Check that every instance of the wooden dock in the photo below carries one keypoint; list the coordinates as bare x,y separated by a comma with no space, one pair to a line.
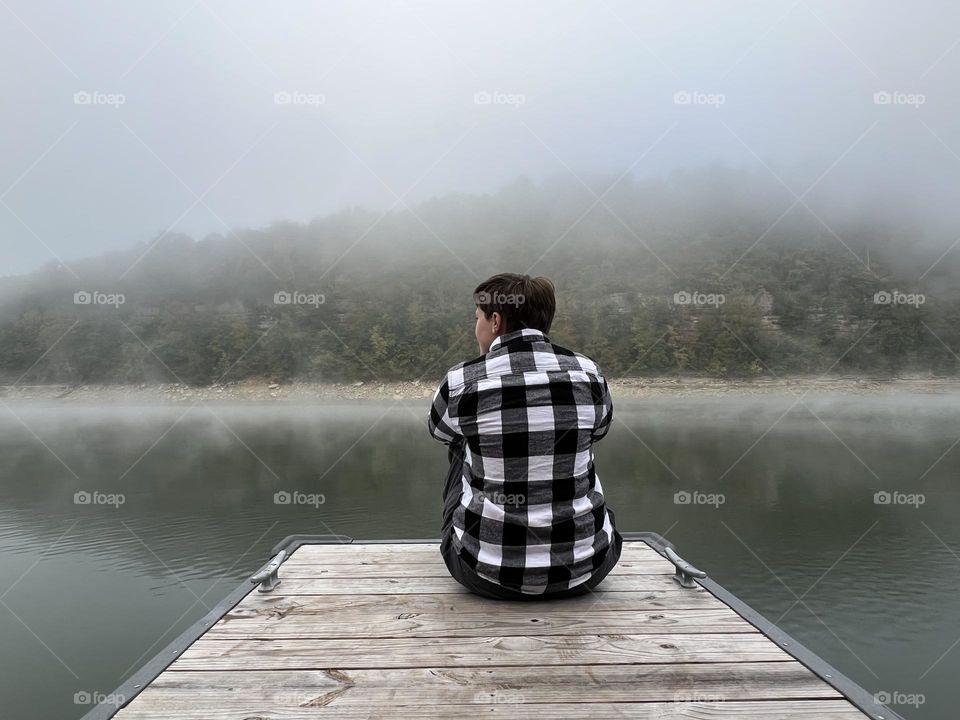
381,631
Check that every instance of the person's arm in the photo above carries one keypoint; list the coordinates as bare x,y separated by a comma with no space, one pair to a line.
603,402
441,425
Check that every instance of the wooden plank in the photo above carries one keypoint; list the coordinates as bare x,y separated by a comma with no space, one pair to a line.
360,604
515,619
588,649
444,585
318,569
749,710
251,693
419,552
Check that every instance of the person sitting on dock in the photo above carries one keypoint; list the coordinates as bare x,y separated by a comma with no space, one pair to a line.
524,515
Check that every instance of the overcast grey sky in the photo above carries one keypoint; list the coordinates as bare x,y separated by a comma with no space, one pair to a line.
181,121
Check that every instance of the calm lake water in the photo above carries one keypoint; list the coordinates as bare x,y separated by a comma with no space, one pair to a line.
91,591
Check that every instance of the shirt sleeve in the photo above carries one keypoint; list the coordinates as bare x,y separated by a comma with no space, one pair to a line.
441,425
604,409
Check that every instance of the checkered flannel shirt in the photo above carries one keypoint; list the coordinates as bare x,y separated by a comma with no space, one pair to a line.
532,515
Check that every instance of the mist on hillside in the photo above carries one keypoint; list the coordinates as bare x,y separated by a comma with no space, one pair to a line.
731,190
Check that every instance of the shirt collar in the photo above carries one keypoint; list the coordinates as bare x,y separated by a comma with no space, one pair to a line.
523,334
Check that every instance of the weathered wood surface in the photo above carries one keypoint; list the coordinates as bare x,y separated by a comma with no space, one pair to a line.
673,599
290,692
427,570
512,620
381,631
441,585
707,710
392,553
284,654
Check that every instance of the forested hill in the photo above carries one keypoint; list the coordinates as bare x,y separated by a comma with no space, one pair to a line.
694,274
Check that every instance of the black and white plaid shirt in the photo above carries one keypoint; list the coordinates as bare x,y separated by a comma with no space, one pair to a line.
532,515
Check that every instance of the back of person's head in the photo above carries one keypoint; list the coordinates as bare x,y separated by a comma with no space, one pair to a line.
522,301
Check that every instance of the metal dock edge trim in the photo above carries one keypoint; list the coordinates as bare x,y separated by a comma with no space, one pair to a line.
857,695
149,672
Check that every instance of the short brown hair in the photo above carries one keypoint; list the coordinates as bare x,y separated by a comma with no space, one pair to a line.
523,301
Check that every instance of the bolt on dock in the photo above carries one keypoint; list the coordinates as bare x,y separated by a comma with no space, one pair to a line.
343,629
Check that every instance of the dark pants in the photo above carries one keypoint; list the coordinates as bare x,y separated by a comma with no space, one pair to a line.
466,576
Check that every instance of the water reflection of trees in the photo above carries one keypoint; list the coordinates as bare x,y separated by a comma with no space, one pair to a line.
205,492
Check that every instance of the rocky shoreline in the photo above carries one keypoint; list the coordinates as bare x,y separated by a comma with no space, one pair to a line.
622,388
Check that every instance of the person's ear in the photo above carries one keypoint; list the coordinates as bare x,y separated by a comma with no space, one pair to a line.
497,323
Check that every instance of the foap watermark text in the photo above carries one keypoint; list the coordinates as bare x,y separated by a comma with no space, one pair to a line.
95,497
695,497
295,497
95,297
294,297
685,297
